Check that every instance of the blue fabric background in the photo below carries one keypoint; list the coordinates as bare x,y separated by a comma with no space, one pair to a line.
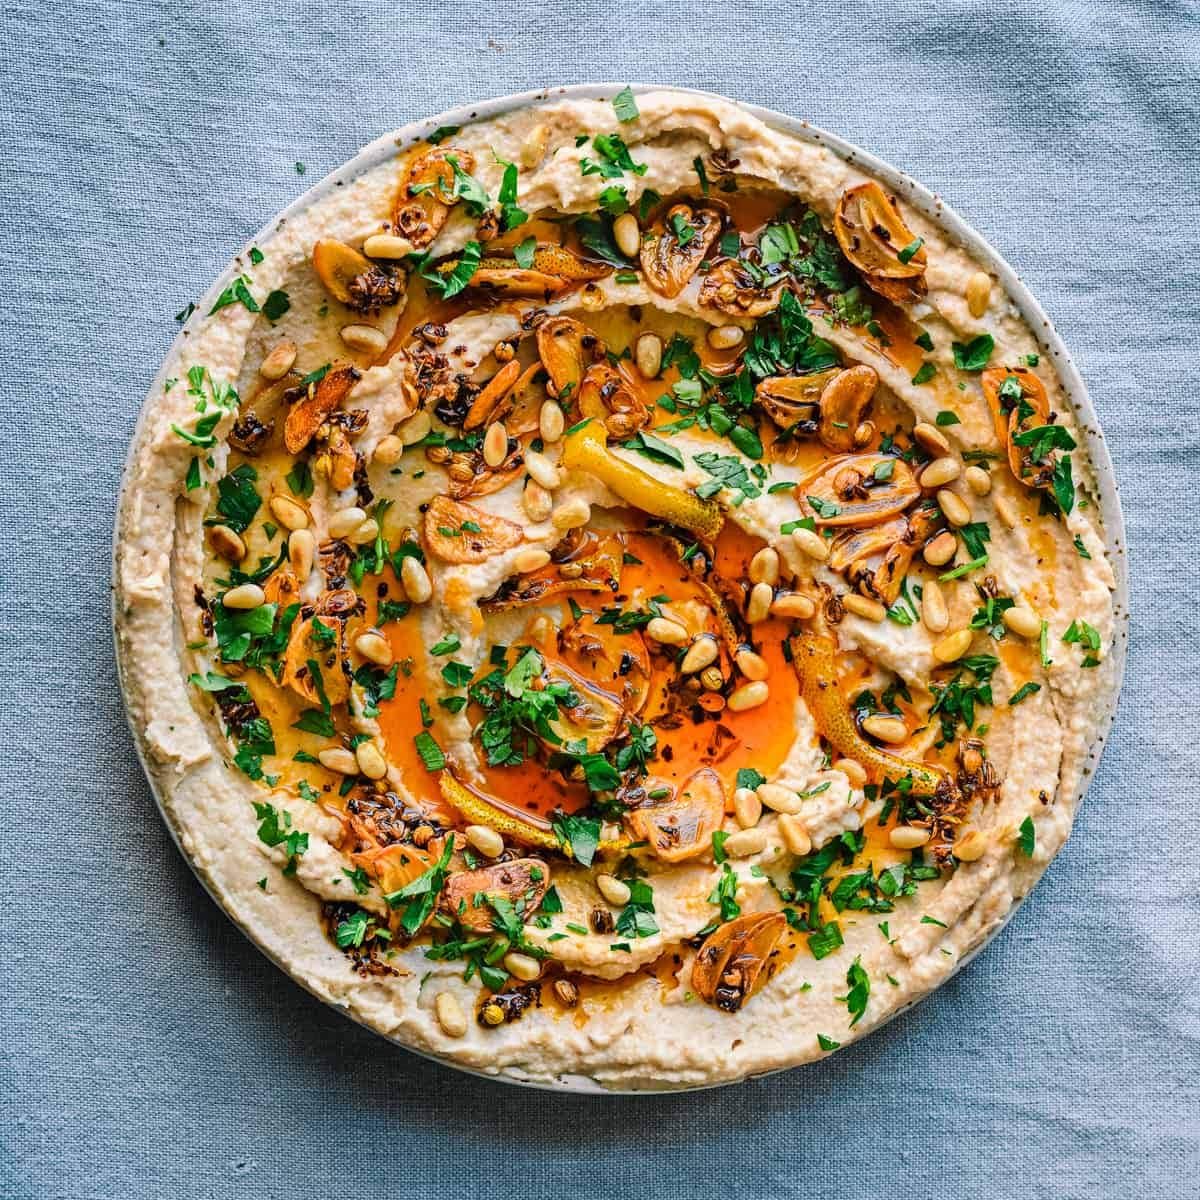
147,1049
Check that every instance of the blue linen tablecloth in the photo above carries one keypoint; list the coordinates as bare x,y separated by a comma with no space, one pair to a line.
148,1050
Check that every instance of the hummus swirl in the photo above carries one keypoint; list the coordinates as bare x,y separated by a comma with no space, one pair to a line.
614,592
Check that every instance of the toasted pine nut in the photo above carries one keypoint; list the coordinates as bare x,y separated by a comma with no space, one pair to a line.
339,759
745,842
615,891
931,439
370,761
953,646
542,470
344,522
700,654
812,543
752,665
853,771
522,966
417,585
416,428
279,362
647,354
795,836
863,606
749,695
953,507
388,450
941,549
979,291
793,606
227,542
495,444
374,647
725,337
571,514
1004,511
764,566
669,633
747,807
758,606
934,612
978,480
365,338
387,245
537,502
886,728
302,549
485,839
940,472
971,847
533,148
908,837
778,798
532,558
291,514
1022,620
245,595
627,235
450,1015
367,531
551,422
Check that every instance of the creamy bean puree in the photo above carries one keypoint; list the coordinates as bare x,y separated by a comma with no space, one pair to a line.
613,592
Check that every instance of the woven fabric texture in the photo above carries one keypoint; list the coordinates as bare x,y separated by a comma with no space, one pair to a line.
147,1049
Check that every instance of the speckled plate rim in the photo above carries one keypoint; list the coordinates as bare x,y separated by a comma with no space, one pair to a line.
914,193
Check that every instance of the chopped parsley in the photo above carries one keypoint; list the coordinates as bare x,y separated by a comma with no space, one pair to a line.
238,292
1027,837
625,106
614,158
275,829
729,472
655,449
860,990
955,703
419,896
237,498
579,836
637,917
725,893
973,355
1081,633
276,304
431,753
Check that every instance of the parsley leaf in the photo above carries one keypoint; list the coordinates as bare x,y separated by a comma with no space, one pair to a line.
860,990
974,355
655,449
579,836
237,498
1027,837
431,753
637,917
238,292
625,106
422,892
